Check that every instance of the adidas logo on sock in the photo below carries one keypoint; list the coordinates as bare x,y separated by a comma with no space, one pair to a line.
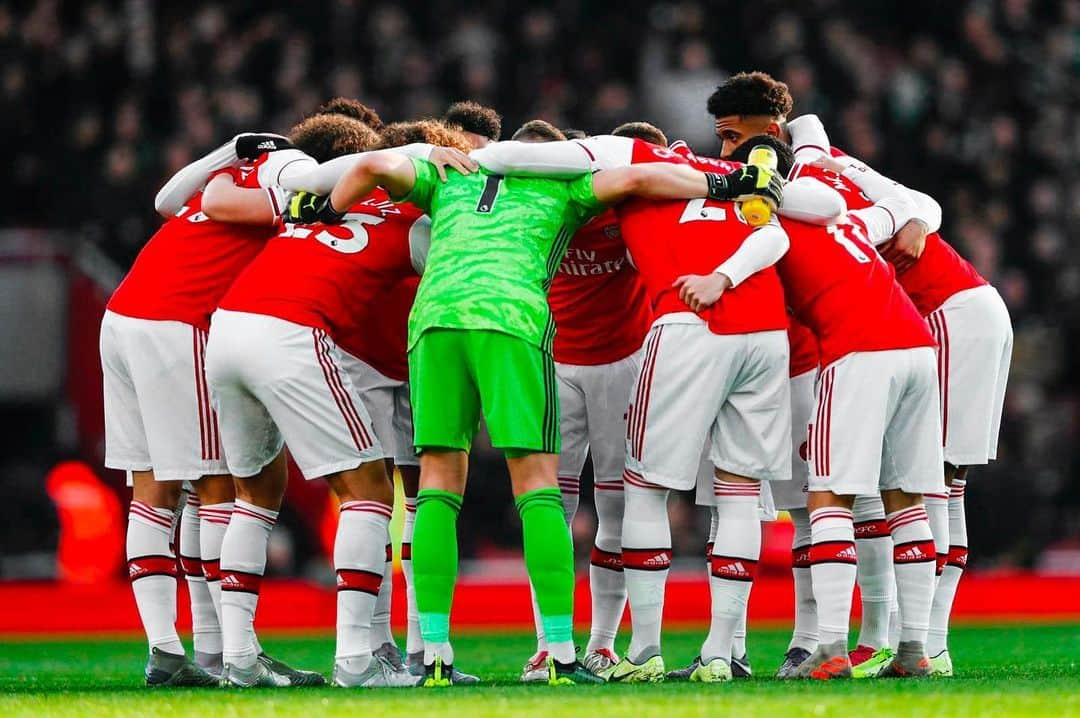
848,552
732,569
134,570
229,581
660,559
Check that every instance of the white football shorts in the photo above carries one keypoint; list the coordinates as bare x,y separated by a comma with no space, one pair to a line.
388,405
272,381
876,424
592,405
975,338
695,386
158,414
792,494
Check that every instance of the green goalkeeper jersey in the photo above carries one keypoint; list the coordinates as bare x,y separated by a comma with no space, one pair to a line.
496,243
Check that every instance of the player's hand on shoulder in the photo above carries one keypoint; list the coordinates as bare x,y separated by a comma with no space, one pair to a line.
701,291
250,145
906,246
309,208
829,163
443,157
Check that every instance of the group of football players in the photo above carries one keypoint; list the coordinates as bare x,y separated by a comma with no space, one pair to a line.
600,296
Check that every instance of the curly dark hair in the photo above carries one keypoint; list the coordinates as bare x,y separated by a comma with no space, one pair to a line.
785,157
475,118
539,130
574,134
432,132
642,131
329,135
351,108
751,93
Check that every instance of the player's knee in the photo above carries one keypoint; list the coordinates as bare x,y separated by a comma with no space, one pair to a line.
159,494
217,489
367,482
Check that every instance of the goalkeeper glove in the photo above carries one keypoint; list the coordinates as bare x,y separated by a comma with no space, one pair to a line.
250,146
746,182
309,208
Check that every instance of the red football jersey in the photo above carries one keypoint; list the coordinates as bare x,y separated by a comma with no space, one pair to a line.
186,267
599,304
669,239
383,331
804,347
845,293
940,271
332,276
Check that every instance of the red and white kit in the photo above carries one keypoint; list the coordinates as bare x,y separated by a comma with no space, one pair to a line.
967,316
158,413
602,315
274,367
803,371
717,375
875,423
375,358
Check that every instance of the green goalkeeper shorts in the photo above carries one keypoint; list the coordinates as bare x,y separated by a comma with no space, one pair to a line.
458,375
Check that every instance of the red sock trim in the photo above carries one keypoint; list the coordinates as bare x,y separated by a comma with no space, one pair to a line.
240,581
733,568
212,569
355,580
146,566
800,557
958,557
191,566
647,559
914,552
833,552
606,559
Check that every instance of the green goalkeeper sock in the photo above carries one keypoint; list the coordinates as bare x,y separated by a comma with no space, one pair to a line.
435,561
549,559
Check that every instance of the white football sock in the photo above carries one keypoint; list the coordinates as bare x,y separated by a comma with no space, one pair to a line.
213,520
380,619
832,570
937,641
735,553
413,640
152,571
646,549
360,561
914,560
937,511
805,633
570,488
243,561
205,629
877,581
738,639
607,582
541,639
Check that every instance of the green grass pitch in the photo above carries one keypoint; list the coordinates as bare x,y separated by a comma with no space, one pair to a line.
1009,671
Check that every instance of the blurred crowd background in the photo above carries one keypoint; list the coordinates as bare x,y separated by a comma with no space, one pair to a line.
975,102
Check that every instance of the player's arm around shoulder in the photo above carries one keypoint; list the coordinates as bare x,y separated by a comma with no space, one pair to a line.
396,173
651,180
224,201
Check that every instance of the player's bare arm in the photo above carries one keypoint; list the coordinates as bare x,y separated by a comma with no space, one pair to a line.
665,181
322,179
223,201
762,248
